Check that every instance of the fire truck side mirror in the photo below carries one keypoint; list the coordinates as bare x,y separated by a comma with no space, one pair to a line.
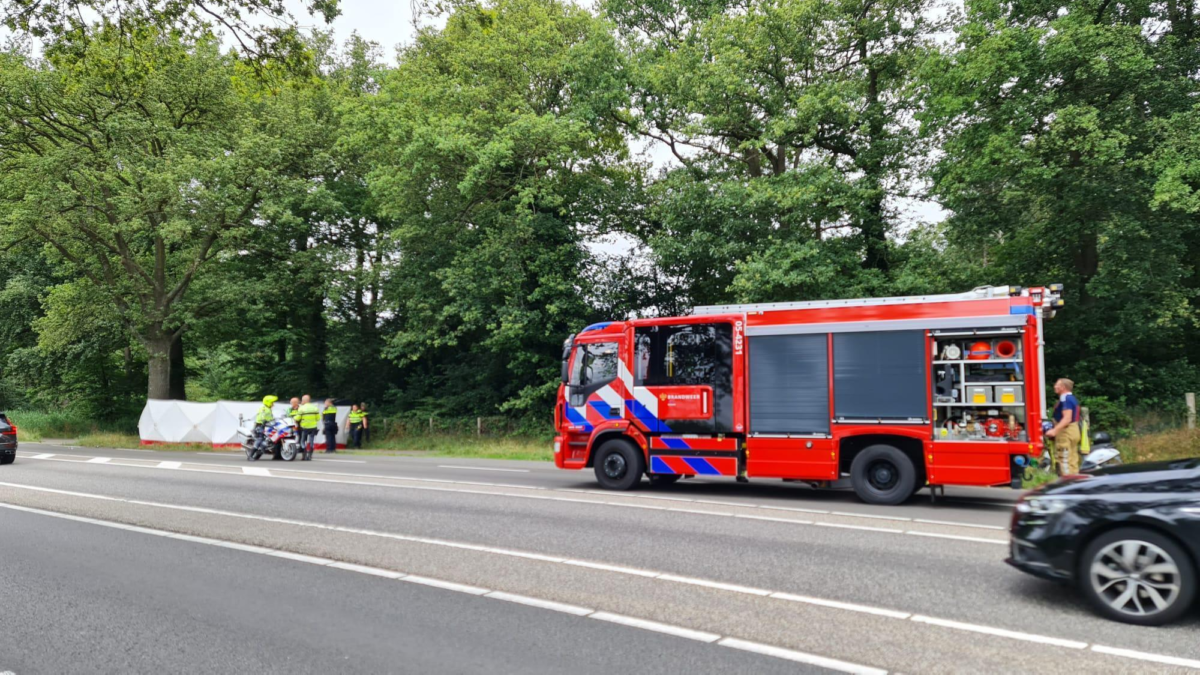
566,358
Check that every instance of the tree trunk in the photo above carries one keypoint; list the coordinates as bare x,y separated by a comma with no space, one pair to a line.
1087,265
178,371
158,347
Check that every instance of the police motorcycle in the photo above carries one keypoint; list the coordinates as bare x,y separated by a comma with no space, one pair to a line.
1104,454
279,436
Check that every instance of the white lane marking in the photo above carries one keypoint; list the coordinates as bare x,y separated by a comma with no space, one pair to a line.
796,509
341,461
541,604
363,569
860,527
866,515
632,571
848,606
99,460
800,657
956,537
956,524
877,611
703,513
255,471
717,503
305,475
447,585
170,465
1145,656
774,520
44,455
645,624
481,468
1000,632
721,586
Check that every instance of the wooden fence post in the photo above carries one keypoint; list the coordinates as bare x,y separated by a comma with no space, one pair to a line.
431,425
479,426
1191,405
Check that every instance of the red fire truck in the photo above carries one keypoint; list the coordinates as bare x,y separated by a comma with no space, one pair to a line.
892,394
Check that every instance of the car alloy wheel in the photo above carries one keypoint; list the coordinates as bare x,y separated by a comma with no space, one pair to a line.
1135,578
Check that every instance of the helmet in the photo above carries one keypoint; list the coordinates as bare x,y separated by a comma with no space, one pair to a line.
270,400
980,351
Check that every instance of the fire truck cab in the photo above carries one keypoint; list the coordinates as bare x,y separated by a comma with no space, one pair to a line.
892,394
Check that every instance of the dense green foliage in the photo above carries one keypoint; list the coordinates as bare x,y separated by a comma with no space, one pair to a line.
423,234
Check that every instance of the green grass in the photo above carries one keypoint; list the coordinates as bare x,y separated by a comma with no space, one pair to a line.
36,425
110,439
1164,445
503,447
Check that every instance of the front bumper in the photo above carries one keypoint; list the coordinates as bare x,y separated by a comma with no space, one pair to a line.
1030,559
1044,546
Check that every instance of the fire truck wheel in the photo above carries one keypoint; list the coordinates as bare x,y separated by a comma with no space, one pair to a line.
882,474
619,466
663,479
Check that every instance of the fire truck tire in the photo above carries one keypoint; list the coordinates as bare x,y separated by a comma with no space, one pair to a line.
882,474
664,479
619,465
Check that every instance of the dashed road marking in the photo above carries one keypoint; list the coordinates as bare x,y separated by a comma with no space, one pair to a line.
481,468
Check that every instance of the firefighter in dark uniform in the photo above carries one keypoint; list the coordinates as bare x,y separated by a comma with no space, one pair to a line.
366,423
329,423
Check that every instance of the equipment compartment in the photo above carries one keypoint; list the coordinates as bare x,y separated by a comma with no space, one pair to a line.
978,385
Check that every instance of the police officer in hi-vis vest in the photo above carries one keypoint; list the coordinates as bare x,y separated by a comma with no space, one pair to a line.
309,418
356,424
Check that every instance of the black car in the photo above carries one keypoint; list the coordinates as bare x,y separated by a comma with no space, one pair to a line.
1128,537
8,440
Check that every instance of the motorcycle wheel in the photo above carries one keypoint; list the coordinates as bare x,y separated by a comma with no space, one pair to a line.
288,452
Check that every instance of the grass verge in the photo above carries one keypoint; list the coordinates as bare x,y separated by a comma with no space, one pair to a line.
119,440
1164,445
504,447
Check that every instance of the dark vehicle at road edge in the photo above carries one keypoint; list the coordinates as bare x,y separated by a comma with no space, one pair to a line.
8,440
1127,536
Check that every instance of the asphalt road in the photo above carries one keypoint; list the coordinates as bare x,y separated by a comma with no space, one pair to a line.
835,584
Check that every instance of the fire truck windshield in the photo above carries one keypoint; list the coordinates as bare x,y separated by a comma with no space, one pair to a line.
594,363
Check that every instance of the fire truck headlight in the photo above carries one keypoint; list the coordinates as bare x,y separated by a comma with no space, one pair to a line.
557,447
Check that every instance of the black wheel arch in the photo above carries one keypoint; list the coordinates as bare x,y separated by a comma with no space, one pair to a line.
607,436
1138,523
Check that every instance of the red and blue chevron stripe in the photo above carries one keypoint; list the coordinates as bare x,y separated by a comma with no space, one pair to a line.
693,443
693,466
